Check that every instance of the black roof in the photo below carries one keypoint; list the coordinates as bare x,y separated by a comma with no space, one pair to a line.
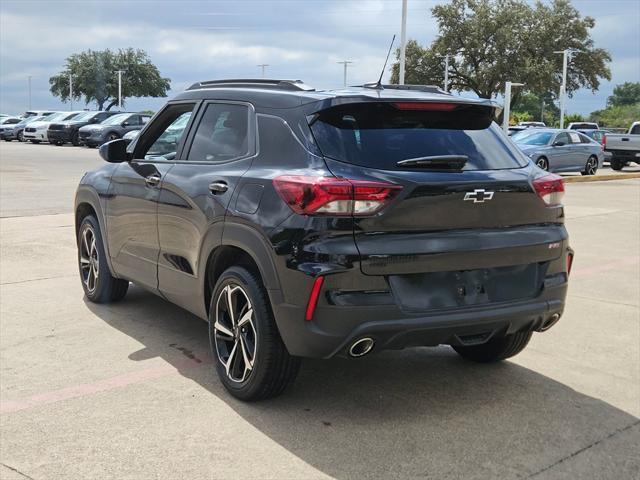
276,93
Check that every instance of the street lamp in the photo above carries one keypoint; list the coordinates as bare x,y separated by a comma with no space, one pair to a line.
507,103
446,67
29,82
403,42
119,72
563,88
345,63
263,66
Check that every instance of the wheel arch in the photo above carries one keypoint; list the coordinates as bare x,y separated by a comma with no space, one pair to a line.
241,245
87,202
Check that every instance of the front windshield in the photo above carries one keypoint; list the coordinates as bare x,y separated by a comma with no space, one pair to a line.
539,138
116,119
31,119
54,117
84,116
70,116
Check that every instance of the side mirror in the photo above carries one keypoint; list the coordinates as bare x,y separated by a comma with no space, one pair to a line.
114,151
95,120
558,144
125,124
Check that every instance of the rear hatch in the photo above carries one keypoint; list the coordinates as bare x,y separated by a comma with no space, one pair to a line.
467,202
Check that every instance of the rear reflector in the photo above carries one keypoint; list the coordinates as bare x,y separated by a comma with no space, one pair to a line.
569,262
426,106
310,195
550,188
313,298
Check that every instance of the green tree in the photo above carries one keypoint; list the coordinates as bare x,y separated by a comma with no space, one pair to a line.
539,106
617,116
94,77
493,41
626,93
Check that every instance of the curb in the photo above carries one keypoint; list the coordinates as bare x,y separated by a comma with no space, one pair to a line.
601,178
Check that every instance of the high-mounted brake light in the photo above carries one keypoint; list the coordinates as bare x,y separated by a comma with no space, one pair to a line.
550,188
310,195
426,106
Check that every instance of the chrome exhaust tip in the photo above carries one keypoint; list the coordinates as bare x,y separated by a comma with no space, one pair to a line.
550,322
361,347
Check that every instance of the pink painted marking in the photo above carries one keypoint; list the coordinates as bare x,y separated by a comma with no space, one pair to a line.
105,385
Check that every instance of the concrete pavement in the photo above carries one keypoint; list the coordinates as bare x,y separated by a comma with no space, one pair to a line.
128,391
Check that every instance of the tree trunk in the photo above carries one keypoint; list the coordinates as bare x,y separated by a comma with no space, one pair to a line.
100,103
112,104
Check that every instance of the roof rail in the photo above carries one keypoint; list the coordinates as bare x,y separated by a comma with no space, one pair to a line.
296,85
417,88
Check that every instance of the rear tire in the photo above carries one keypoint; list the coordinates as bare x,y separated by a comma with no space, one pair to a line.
591,167
75,140
496,349
99,285
543,163
617,164
251,359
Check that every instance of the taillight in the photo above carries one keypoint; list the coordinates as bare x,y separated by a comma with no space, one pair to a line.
310,195
604,142
426,106
569,262
550,188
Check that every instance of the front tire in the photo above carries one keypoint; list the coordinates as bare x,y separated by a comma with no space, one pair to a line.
496,349
252,362
99,285
591,166
20,137
543,163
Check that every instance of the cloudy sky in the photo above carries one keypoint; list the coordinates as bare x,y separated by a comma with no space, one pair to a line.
197,40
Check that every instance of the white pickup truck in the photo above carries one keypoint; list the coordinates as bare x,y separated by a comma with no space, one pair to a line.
624,148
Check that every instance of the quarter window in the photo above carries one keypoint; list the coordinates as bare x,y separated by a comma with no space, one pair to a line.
222,134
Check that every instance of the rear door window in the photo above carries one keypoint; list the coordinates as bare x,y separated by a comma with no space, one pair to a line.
222,134
575,138
380,134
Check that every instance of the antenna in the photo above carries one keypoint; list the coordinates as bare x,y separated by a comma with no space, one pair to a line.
379,84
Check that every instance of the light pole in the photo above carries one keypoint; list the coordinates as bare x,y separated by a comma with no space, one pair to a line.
120,72
507,104
71,91
403,42
263,66
563,88
345,63
446,72
29,82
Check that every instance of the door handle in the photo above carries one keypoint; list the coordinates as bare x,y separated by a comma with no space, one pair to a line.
218,187
152,180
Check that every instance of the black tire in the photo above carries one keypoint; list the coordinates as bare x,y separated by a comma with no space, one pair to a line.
543,163
20,137
272,369
105,288
617,164
75,140
591,167
496,349
112,136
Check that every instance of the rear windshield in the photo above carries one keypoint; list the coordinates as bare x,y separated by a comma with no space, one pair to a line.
378,135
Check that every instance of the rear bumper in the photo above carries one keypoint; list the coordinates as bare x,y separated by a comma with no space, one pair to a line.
335,328
628,155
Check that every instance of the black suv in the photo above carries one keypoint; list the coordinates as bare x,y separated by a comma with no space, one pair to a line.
67,132
305,223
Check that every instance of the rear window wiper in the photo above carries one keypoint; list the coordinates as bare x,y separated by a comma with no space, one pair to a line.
442,162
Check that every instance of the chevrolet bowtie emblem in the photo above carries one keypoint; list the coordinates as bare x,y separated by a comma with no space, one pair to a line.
479,195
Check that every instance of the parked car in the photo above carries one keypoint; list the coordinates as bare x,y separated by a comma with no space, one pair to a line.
305,223
36,132
558,150
60,133
532,124
583,126
624,148
8,123
515,129
15,132
38,113
112,128
598,136
130,136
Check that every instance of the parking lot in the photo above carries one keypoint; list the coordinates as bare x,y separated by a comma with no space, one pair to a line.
128,390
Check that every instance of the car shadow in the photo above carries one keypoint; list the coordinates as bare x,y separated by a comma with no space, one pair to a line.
417,413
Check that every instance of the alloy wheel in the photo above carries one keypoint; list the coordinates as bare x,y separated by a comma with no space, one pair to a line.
235,333
542,163
592,166
89,261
